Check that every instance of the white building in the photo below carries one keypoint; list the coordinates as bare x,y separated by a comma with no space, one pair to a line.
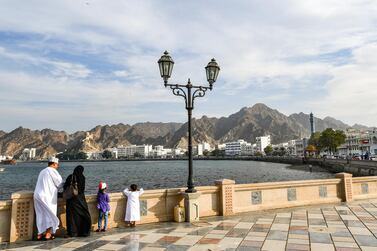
262,142
300,145
134,150
220,147
291,149
201,148
3,157
239,147
114,152
94,155
358,143
28,154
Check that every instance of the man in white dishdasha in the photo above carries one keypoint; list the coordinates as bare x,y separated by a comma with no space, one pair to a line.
46,198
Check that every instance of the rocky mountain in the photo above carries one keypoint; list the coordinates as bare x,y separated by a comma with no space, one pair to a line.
247,124
362,127
49,142
319,124
46,141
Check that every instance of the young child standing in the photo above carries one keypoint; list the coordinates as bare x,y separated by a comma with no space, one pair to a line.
133,204
103,206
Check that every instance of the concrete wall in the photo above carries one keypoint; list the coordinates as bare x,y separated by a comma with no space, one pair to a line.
224,198
5,216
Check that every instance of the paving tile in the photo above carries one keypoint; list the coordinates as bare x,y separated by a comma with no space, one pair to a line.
202,231
298,241
151,238
277,235
298,236
255,238
245,248
111,247
283,215
208,241
74,244
188,240
224,232
251,243
292,228
346,244
349,217
274,245
292,246
320,238
92,245
169,239
359,231
353,223
321,247
149,249
342,239
280,227
347,249
214,236
366,240
237,233
177,248
244,225
229,242
365,248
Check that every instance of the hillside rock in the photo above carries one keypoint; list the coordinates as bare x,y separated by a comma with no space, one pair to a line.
248,123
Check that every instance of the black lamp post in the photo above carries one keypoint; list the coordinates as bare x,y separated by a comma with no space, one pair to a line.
165,64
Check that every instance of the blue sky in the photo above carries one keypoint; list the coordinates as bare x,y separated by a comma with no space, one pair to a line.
71,65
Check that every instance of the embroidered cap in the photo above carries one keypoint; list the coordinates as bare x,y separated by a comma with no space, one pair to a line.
53,159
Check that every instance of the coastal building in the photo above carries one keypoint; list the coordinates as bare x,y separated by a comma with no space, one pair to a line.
300,145
291,149
220,147
5,157
94,155
28,154
114,152
262,142
134,151
201,148
237,148
358,143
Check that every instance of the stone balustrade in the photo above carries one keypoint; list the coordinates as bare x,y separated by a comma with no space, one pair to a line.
224,198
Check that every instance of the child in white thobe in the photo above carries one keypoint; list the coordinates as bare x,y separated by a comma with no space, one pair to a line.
133,204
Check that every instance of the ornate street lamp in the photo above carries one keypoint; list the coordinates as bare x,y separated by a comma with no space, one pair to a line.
166,64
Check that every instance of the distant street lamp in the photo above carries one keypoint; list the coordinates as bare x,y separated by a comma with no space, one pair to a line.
165,64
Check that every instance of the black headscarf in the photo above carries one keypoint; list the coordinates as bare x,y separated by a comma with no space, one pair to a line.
79,178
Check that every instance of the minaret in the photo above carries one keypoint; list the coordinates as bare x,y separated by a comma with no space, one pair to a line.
311,123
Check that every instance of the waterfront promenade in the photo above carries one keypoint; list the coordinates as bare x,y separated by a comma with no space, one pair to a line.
341,227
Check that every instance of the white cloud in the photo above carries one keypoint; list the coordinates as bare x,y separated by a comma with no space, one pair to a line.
352,91
272,45
122,74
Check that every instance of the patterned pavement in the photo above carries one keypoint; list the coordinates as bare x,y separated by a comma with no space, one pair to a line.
346,227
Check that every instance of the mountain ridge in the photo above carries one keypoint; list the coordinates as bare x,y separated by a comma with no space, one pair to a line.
247,123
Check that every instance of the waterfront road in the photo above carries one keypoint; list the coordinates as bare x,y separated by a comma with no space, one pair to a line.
341,227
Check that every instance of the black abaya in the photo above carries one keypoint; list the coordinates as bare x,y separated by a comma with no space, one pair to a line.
78,218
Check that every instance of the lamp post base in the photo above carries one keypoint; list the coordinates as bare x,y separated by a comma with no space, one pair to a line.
192,206
190,190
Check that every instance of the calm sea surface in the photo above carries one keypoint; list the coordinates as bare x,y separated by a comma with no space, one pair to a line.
156,174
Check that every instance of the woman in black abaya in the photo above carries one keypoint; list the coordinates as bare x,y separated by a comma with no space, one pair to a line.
78,218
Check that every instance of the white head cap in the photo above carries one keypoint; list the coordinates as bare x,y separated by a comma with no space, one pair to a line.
53,159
